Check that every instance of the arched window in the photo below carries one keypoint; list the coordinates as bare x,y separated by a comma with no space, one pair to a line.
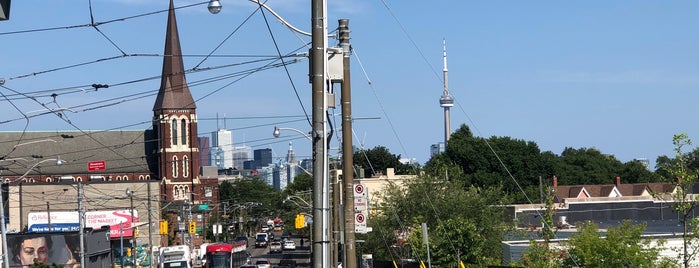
49,180
185,167
126,178
174,132
174,166
184,132
140,178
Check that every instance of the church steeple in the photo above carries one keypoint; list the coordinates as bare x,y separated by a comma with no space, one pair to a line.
175,123
174,92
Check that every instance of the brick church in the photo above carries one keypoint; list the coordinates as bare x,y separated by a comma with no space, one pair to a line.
154,171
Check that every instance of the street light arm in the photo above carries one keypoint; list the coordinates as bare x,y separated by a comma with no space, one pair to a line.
280,18
215,7
277,129
58,163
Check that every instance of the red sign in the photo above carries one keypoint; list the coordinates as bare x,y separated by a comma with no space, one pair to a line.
96,165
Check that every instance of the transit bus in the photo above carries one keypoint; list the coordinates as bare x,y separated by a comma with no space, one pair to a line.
223,255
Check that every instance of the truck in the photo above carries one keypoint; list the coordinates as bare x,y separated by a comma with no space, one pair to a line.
261,240
175,257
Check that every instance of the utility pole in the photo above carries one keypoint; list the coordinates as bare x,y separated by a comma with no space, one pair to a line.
48,214
5,253
349,252
318,55
81,224
150,226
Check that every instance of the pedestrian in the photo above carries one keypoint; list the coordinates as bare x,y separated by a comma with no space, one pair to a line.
302,242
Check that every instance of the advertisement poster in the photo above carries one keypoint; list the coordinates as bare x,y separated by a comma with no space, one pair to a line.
67,221
62,249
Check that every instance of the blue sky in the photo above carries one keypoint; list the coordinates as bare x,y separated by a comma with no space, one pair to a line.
619,76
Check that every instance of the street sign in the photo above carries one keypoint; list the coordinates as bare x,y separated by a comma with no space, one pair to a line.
359,190
359,222
360,204
203,207
96,165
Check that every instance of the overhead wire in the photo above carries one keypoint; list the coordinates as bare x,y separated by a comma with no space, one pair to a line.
501,162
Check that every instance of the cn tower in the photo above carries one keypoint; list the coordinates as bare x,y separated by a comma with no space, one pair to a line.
446,101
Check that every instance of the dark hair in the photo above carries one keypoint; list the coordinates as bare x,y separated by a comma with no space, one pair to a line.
17,241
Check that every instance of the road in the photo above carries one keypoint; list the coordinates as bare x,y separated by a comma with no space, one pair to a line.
301,255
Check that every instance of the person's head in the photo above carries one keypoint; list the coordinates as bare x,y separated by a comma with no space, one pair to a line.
29,248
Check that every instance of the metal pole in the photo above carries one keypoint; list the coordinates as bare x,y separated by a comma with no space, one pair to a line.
318,54
5,253
133,232
426,240
48,215
81,219
350,254
121,238
150,227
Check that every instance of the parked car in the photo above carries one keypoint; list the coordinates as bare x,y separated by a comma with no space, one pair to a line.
289,245
263,263
248,265
275,247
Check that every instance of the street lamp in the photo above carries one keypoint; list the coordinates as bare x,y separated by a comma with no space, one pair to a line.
276,133
214,6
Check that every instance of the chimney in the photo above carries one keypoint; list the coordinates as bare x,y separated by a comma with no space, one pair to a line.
555,182
618,181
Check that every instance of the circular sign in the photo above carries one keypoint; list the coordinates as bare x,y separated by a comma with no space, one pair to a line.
359,189
359,218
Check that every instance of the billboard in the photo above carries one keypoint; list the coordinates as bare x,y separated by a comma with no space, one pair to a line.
44,248
67,221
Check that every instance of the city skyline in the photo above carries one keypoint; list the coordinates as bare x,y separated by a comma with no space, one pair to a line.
600,75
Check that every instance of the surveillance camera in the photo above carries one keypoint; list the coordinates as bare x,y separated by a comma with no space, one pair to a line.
2,81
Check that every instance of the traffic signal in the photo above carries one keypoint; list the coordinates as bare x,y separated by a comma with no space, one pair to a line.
192,227
300,221
128,252
164,227
135,233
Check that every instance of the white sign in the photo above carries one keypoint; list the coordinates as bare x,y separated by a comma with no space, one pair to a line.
63,221
359,222
360,204
359,190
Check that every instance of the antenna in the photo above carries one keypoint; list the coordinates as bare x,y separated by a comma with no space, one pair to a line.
446,101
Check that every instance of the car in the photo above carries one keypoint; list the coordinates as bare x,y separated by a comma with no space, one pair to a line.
242,239
248,265
275,247
287,263
263,263
289,245
285,237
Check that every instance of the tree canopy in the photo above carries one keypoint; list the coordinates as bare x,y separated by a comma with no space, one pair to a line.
521,168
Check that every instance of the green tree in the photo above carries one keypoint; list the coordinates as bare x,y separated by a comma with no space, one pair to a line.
377,159
623,246
683,177
465,223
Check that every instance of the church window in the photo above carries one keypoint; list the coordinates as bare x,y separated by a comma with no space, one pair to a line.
174,132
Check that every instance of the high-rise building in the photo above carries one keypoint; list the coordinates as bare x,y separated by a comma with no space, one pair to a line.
240,155
222,149
263,157
290,155
437,148
204,151
446,101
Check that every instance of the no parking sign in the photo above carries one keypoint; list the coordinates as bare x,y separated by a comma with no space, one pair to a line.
359,190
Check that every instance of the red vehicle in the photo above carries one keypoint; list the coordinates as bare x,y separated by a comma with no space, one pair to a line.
222,255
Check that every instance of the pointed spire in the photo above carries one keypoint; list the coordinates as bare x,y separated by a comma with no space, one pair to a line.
174,92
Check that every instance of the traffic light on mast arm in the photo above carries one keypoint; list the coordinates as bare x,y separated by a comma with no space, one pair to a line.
192,227
164,226
300,221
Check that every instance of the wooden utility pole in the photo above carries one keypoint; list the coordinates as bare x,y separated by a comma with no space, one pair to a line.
349,251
